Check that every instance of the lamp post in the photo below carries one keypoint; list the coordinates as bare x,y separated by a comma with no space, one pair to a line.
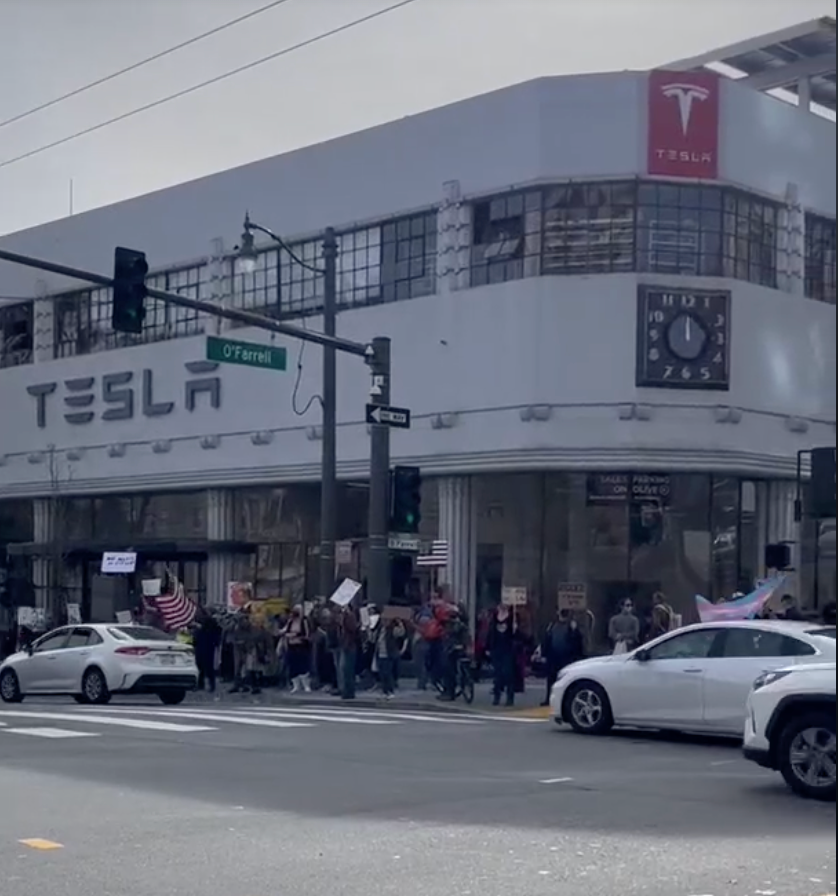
248,256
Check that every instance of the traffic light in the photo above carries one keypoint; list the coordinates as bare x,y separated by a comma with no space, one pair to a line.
406,513
129,291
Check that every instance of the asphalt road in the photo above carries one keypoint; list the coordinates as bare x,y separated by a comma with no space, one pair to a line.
205,801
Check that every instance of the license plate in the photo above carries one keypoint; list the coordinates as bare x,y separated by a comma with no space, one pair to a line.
168,660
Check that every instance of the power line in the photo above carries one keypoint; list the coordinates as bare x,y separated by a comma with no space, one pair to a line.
210,82
141,64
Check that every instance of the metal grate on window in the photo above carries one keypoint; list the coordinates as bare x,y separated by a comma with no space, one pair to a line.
17,334
749,245
589,228
820,259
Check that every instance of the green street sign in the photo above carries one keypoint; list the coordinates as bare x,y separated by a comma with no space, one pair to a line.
246,354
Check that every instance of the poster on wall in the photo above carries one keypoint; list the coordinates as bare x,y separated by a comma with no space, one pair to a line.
119,563
239,595
73,614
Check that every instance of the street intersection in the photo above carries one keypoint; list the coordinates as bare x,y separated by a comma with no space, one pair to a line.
218,800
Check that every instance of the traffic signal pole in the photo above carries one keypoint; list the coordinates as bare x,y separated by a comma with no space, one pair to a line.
377,356
378,583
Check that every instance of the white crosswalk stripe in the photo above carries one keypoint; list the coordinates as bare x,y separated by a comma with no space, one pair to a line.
58,723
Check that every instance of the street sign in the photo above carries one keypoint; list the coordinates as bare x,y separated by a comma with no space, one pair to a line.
246,354
407,544
397,418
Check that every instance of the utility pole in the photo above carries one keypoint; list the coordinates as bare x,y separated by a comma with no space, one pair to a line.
378,584
329,474
377,356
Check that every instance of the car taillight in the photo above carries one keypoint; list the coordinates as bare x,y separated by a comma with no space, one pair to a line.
133,651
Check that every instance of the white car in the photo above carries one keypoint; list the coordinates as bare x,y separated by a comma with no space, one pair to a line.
790,727
696,679
91,663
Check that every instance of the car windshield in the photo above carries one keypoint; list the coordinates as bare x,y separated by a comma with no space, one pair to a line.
138,633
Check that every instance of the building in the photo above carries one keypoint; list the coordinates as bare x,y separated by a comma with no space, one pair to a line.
612,305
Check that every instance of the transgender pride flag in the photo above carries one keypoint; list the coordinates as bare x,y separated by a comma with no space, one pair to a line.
747,607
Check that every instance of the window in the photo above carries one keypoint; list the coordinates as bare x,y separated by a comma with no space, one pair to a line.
83,637
742,643
749,239
138,633
696,645
820,259
408,258
589,229
53,641
679,230
164,321
258,290
507,238
16,334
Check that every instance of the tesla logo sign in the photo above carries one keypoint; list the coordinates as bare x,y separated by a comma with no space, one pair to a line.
684,124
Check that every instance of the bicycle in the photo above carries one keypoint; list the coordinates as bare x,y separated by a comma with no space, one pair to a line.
464,682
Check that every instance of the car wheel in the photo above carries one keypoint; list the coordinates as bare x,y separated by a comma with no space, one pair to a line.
94,688
10,687
588,709
172,698
807,756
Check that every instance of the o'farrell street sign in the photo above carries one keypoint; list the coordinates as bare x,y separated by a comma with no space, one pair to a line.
246,354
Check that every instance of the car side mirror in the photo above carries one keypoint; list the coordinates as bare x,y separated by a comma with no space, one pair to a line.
30,650
643,656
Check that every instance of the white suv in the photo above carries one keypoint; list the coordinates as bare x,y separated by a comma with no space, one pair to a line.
790,727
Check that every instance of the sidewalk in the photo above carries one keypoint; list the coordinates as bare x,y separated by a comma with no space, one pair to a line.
407,699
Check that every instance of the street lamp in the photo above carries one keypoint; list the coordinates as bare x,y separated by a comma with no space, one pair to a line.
248,257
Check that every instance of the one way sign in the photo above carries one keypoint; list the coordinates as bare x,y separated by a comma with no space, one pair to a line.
397,418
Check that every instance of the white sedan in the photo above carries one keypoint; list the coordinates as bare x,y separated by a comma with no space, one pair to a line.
696,679
91,663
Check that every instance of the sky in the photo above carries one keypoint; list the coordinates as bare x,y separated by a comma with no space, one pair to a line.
427,54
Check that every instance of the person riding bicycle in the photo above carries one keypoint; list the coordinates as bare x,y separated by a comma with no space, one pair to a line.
456,639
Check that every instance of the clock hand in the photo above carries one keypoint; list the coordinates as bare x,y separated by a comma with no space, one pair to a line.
689,329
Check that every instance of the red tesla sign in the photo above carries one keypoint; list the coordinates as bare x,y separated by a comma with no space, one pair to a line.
684,124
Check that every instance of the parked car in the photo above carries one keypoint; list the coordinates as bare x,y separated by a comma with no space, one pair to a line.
790,728
91,663
696,679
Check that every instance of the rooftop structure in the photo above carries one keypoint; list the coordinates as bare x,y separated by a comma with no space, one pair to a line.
796,63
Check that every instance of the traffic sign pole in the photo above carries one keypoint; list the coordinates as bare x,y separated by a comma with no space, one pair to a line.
378,591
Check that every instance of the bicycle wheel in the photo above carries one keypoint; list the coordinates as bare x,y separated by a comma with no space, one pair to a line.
467,686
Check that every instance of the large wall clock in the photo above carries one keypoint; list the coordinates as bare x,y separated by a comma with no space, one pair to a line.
683,338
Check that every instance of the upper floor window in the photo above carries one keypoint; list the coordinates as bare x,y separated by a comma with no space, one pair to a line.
589,228
605,228
17,334
83,319
258,290
507,238
820,259
679,230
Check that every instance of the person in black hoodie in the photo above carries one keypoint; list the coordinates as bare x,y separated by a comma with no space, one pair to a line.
501,644
206,643
563,644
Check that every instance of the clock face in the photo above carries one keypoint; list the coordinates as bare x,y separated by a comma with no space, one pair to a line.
683,339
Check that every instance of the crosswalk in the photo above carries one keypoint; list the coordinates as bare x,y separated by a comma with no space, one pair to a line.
59,722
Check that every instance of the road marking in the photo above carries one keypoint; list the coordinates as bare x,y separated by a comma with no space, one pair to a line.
43,845
557,781
204,717
140,724
51,733
336,714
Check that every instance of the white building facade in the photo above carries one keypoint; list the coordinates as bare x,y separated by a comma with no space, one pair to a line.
611,300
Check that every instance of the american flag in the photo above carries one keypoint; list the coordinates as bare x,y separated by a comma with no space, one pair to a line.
436,558
176,609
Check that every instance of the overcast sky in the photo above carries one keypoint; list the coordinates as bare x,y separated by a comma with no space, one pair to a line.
428,54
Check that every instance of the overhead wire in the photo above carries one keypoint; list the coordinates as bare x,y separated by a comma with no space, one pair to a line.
78,91
286,51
